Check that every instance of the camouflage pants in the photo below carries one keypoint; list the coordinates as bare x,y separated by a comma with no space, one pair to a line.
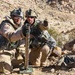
5,62
38,56
67,60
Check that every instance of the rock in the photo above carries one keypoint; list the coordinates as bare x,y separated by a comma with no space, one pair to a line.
9,1
52,70
73,47
70,45
72,69
58,74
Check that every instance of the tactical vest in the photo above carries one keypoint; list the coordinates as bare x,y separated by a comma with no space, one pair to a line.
4,43
35,29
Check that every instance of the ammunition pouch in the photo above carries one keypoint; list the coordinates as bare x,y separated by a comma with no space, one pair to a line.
6,45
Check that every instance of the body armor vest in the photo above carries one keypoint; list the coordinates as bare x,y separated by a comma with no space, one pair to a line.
4,43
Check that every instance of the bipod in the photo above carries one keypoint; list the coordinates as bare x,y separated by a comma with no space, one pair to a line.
27,70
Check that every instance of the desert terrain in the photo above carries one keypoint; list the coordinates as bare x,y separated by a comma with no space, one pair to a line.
60,15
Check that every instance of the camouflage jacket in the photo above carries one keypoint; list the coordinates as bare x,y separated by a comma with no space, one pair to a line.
40,37
11,32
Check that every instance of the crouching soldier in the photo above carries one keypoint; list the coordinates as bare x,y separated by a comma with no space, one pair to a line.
41,43
11,33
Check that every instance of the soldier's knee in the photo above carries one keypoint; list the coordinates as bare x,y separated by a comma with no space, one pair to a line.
45,49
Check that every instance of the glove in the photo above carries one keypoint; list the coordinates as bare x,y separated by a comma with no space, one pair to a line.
26,29
45,23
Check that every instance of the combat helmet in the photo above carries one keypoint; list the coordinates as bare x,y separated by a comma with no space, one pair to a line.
17,12
30,13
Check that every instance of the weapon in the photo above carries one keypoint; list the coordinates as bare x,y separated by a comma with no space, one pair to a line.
26,68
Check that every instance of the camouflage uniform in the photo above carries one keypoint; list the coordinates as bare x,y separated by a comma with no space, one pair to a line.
8,31
40,52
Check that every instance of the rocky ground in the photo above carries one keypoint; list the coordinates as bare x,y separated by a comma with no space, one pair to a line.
60,15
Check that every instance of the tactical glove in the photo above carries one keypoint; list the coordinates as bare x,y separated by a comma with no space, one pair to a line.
26,29
45,23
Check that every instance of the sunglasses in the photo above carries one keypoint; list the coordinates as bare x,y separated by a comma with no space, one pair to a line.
31,17
17,16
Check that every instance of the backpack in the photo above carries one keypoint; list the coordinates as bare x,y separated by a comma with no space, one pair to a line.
4,43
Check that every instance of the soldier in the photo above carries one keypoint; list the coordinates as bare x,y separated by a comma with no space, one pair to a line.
11,31
42,43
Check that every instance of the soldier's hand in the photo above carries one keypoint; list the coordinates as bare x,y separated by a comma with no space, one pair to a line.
25,30
45,23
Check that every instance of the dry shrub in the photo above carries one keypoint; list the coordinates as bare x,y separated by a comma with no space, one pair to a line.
60,38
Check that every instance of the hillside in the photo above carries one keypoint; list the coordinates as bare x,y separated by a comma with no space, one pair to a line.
60,15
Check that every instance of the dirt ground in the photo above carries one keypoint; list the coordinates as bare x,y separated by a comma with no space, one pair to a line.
49,71
62,20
